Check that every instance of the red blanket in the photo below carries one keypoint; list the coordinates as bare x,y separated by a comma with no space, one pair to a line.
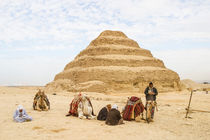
74,105
133,106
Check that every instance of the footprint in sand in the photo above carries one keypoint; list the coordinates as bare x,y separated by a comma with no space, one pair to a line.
58,130
37,127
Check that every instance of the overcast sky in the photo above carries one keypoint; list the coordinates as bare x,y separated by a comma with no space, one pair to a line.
39,37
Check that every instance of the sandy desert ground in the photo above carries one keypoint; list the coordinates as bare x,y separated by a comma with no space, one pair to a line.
169,123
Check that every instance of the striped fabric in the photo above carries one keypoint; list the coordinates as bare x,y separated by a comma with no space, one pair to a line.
133,108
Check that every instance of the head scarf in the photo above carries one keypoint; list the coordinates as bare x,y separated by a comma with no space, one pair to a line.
18,113
109,107
21,116
20,107
114,106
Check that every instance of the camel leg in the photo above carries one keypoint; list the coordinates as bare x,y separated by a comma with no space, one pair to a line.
46,108
80,113
37,107
34,105
142,116
90,116
82,117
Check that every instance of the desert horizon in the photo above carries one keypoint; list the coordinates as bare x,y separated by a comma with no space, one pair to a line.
20,85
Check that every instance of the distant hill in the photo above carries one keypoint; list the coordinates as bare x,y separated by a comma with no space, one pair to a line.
190,84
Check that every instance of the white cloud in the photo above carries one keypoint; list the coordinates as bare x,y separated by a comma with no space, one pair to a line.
41,48
65,20
65,24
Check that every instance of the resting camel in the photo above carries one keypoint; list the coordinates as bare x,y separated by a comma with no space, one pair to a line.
85,109
41,102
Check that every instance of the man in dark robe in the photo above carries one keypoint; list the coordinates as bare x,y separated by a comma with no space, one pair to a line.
104,112
114,117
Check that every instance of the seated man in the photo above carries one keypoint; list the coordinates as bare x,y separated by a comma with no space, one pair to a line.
20,115
103,113
114,117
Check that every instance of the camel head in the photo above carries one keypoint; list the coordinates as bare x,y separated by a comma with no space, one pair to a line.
39,92
84,98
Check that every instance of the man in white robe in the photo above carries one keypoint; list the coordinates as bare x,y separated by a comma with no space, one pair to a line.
20,115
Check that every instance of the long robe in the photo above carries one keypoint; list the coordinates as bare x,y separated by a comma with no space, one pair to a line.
21,116
113,117
102,115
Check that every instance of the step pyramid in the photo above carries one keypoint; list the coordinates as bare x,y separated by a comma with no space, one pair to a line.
114,63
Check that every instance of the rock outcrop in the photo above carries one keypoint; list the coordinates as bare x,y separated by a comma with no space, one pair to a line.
113,63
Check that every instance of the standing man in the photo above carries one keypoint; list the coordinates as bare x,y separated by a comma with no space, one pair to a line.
151,93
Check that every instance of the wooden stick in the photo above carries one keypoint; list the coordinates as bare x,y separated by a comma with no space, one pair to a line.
198,110
189,104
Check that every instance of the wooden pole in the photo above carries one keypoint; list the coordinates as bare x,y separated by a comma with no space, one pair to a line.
198,110
189,104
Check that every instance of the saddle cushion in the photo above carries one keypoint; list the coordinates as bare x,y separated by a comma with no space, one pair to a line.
75,103
133,108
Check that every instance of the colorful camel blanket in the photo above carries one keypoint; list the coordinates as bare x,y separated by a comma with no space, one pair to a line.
36,98
75,103
133,108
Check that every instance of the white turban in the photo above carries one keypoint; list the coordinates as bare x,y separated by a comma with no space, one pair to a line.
114,106
20,107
